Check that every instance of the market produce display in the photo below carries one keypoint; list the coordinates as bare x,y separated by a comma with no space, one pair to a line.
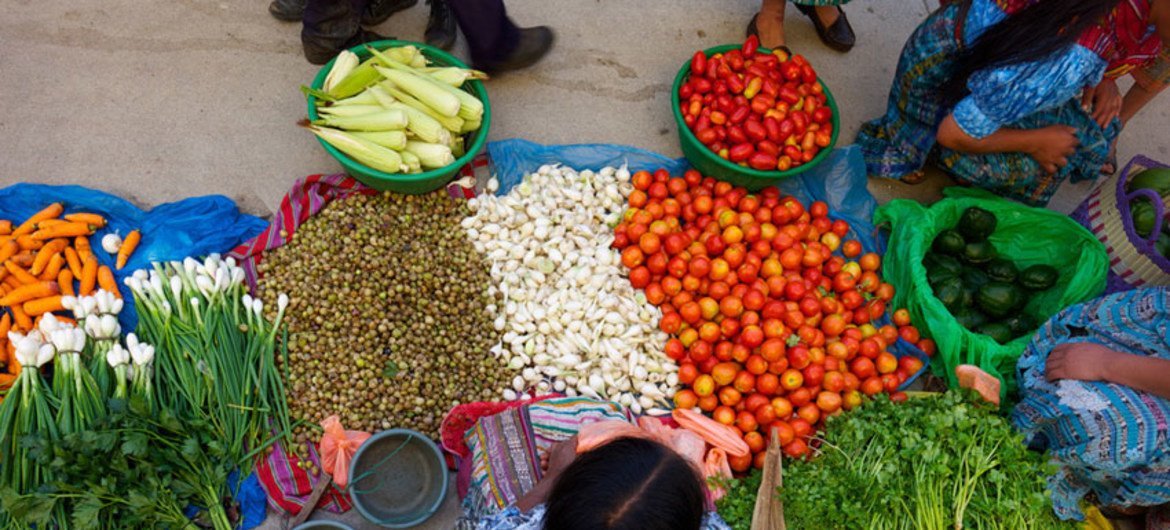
739,504
986,293
571,323
1143,209
129,436
766,111
388,318
395,112
772,327
932,463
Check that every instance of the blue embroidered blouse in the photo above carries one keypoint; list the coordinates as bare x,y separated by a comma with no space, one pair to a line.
1000,96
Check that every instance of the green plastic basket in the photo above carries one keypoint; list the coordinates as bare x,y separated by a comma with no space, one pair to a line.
414,183
711,164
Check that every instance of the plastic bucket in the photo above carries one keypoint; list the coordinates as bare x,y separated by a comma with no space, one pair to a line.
413,183
398,478
711,164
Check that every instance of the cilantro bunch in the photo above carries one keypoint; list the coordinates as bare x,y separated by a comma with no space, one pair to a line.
928,464
738,505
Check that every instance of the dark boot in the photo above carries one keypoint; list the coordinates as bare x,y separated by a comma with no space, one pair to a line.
532,46
377,11
441,25
332,26
287,10
839,36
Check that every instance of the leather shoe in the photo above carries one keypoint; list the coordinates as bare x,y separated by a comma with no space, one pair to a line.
287,10
441,25
377,11
533,45
839,36
317,53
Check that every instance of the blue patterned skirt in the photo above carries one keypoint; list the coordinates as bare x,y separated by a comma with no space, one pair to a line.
1108,440
901,141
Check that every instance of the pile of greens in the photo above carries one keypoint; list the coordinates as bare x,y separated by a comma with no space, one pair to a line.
737,506
932,463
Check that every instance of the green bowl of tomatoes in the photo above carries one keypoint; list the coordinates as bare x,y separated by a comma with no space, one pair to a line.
739,143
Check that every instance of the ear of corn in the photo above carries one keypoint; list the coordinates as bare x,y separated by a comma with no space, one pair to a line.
382,120
360,149
411,161
345,63
454,76
364,98
431,156
357,80
350,110
430,93
453,124
395,140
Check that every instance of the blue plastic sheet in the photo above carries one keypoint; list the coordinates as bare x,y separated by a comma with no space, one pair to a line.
191,227
251,497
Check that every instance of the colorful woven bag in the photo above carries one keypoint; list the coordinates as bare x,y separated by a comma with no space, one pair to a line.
1133,260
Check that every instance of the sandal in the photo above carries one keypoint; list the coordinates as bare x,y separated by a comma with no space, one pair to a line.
839,36
753,30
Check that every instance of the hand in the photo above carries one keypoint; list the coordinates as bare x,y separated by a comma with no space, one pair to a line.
1053,145
1081,361
559,457
1103,102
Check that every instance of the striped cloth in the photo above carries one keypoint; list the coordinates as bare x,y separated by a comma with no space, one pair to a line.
1108,440
506,448
288,486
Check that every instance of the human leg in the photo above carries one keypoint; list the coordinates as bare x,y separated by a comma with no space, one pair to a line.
496,43
331,26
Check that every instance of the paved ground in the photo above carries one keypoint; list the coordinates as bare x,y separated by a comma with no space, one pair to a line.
157,100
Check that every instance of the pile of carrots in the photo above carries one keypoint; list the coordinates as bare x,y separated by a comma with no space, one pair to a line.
46,257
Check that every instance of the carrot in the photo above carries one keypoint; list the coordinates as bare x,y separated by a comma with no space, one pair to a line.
106,281
5,227
20,274
23,322
6,381
51,211
53,269
49,222
128,246
65,283
64,230
717,434
73,260
87,218
81,243
89,272
44,305
11,282
5,325
24,259
27,242
9,249
30,292
13,364
46,253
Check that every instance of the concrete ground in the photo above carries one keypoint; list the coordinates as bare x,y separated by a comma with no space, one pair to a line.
161,100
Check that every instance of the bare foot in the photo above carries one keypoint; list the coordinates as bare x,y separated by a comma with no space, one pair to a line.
828,15
771,30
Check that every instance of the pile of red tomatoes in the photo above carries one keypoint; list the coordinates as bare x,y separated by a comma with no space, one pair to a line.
773,313
766,111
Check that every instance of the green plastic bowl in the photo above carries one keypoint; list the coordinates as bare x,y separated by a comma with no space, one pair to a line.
398,478
413,183
323,525
711,164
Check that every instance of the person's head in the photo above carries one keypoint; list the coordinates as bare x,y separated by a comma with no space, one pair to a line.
627,484
1031,34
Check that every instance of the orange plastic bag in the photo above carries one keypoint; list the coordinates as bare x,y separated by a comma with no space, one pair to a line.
337,449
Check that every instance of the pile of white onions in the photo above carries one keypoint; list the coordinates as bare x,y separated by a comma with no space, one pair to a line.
571,320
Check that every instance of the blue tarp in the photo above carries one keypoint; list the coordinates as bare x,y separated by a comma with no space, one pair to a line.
172,231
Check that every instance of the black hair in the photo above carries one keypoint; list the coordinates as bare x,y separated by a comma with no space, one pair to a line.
1033,33
627,484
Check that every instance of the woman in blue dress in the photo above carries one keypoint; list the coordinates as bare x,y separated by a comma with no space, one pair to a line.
1095,392
990,90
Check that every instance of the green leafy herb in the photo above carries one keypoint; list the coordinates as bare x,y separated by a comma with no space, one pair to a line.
738,505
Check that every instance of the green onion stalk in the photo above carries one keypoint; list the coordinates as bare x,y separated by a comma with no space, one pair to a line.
98,315
79,400
215,355
27,410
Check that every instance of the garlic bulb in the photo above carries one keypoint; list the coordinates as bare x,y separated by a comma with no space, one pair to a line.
569,318
111,243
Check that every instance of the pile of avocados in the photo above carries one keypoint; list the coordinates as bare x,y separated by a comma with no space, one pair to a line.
984,292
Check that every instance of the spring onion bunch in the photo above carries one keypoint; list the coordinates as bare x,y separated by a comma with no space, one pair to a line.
79,400
26,410
215,353
393,112
98,316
